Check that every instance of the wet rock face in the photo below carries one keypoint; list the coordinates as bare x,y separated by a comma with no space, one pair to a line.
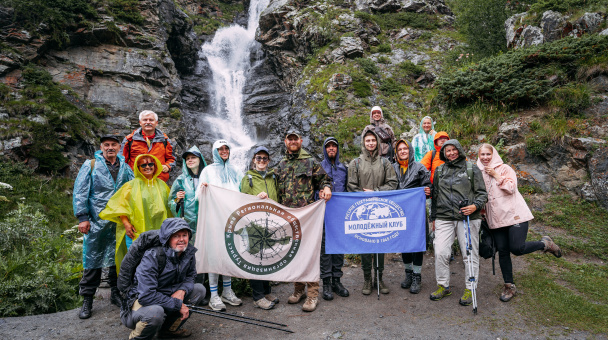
598,170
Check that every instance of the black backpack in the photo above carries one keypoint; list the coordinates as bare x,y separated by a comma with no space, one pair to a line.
487,245
147,240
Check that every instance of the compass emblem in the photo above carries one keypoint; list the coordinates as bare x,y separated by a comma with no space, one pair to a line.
262,238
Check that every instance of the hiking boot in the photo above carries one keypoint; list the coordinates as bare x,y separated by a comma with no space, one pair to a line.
272,298
310,304
115,297
296,297
338,288
407,283
383,287
205,301
550,246
230,298
179,334
467,298
327,292
367,285
264,304
416,283
440,293
508,292
216,303
87,307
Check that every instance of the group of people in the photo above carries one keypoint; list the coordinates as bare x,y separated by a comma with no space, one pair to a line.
122,193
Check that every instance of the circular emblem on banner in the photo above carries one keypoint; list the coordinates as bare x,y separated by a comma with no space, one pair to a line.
375,219
262,238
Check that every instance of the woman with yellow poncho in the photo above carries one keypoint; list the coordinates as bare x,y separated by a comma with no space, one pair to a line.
139,205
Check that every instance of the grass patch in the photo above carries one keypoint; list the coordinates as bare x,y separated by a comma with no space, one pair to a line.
389,21
465,123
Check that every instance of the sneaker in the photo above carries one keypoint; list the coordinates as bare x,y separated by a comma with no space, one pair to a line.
310,304
551,247
467,298
230,298
508,292
296,297
440,293
181,333
263,303
272,298
216,303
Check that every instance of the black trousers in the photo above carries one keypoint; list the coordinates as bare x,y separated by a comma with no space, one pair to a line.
91,278
259,289
331,264
512,240
415,258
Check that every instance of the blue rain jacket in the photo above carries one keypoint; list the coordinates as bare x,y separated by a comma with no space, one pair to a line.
221,173
92,190
337,171
185,182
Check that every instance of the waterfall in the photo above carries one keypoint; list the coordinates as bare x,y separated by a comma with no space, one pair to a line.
228,55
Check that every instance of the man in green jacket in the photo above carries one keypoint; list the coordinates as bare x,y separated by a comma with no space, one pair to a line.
299,176
458,191
371,172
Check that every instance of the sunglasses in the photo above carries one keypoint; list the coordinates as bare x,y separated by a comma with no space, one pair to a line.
147,165
261,159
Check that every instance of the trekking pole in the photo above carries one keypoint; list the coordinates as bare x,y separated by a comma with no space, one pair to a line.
236,318
234,315
467,226
181,204
378,276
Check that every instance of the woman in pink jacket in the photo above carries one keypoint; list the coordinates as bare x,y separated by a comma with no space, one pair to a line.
507,215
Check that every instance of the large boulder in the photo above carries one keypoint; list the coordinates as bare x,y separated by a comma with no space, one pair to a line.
513,28
553,26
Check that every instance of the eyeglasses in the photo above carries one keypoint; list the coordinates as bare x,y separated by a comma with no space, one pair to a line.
261,159
147,165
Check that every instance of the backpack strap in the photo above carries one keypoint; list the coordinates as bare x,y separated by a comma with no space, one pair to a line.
433,154
129,144
161,257
92,166
251,180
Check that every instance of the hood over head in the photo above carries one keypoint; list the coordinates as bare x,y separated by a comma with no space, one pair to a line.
196,152
420,129
216,155
371,120
456,143
158,167
494,163
170,226
440,134
329,140
409,146
369,129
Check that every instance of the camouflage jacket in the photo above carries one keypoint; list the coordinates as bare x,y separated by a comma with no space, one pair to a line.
299,176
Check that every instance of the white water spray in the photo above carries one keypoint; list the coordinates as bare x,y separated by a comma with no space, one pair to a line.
228,55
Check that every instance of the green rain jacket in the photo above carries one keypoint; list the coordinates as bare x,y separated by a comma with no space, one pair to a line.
299,176
451,185
253,183
185,182
370,171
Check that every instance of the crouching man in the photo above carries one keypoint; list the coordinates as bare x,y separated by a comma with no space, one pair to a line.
158,295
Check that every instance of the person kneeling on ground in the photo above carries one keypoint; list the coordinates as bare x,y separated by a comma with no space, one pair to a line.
158,300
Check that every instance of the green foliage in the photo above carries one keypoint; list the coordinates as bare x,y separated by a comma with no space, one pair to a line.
40,269
361,87
40,96
389,21
368,65
384,48
58,15
175,113
482,24
384,60
126,10
519,77
571,99
410,69
465,123
566,5
204,24
390,86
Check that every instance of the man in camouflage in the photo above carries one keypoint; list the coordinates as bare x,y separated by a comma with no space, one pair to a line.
299,176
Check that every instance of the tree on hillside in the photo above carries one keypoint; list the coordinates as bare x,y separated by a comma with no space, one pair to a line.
482,24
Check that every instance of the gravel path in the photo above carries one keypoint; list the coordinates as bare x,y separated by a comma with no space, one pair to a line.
398,315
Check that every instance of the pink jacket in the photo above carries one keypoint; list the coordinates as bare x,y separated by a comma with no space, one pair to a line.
505,206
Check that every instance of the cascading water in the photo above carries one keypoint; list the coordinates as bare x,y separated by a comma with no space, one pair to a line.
228,55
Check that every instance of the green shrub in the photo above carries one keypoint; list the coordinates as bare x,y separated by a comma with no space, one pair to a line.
364,16
361,87
411,69
390,86
368,65
537,145
519,77
571,99
384,48
384,60
40,269
389,21
127,10
566,5
482,24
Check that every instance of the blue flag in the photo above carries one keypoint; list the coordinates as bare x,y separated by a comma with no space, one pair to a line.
376,222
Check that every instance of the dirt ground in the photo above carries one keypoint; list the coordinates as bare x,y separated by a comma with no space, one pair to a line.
397,315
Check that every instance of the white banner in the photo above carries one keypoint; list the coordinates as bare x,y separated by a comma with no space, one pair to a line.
243,236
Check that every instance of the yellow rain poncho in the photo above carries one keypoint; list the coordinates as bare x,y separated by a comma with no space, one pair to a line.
143,201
